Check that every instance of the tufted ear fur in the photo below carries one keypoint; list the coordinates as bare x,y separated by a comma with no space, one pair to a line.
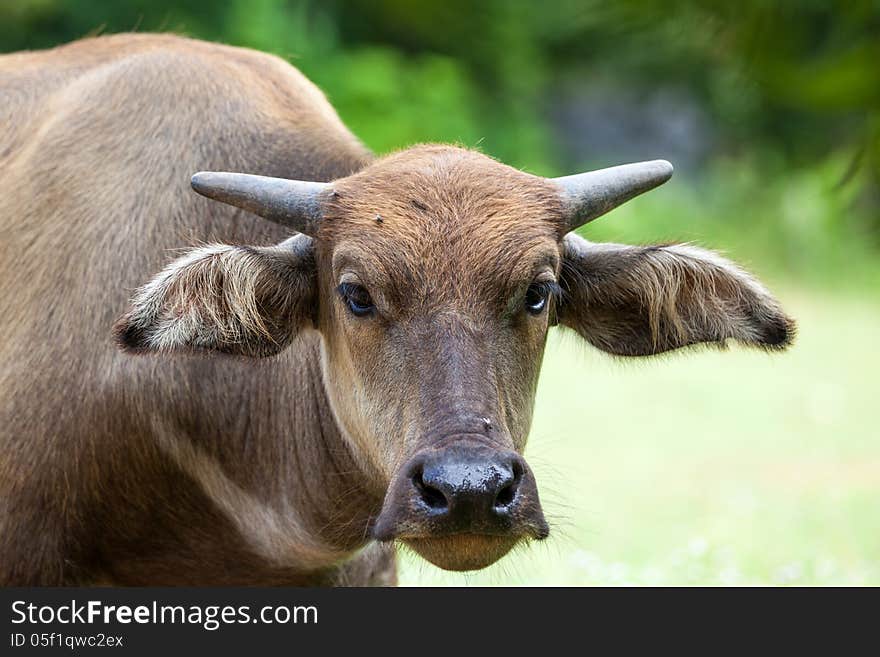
234,299
639,301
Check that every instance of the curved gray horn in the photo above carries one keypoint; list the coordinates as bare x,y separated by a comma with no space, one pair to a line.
589,195
292,203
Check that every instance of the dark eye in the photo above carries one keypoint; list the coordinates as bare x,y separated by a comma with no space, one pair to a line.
357,299
538,294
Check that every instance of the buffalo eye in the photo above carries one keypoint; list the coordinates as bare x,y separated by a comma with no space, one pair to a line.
538,294
357,299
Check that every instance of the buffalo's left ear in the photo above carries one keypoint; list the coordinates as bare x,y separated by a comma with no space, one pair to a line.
639,301
242,300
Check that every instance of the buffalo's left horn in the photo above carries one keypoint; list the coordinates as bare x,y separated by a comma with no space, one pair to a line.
292,203
586,196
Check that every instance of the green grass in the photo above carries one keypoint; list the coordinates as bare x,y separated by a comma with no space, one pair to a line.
732,467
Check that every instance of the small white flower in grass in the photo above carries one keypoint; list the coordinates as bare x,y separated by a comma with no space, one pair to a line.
729,576
698,547
618,573
826,568
789,573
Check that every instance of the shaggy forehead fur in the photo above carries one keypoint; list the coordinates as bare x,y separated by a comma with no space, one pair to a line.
434,214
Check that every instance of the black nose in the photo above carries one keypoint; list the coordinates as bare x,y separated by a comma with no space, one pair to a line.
462,486
469,487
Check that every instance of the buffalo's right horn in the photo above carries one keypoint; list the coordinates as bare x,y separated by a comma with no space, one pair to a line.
589,195
292,203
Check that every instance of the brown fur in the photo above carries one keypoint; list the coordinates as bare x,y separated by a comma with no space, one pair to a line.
188,468
100,140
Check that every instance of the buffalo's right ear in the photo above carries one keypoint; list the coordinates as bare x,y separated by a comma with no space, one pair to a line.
641,301
234,299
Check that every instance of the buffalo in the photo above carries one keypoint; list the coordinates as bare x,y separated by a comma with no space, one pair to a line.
346,358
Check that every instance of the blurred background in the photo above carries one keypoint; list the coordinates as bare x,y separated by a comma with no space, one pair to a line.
709,468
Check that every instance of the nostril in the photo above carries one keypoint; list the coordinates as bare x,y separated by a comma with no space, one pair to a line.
432,497
506,495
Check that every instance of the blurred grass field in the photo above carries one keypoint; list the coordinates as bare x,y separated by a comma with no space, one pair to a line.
711,467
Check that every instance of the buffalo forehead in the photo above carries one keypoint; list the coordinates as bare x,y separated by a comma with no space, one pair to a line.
445,216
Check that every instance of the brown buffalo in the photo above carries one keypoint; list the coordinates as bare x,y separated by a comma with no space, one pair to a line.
292,395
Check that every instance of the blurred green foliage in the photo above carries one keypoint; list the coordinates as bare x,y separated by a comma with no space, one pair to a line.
788,170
